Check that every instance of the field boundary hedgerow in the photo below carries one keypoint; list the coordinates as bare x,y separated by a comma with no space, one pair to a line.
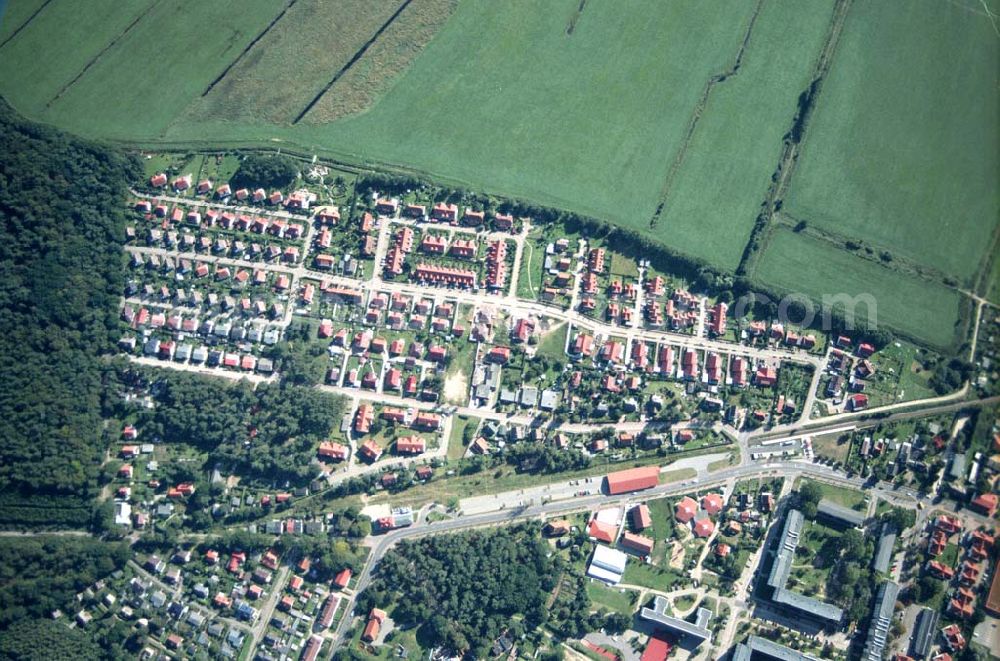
107,47
25,23
354,58
696,115
249,47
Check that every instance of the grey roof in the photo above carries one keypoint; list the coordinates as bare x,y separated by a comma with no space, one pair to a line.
757,647
834,511
808,605
550,399
782,567
883,554
786,549
957,470
878,629
698,630
923,636
529,396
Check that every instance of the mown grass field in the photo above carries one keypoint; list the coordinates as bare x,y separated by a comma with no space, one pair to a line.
712,204
903,150
921,308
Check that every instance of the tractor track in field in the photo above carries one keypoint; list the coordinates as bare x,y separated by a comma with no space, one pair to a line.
239,58
792,141
104,50
351,62
699,109
26,23
571,26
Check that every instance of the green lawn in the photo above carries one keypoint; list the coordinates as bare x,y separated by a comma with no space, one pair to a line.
455,447
29,81
145,80
614,599
924,310
902,150
851,498
650,576
553,344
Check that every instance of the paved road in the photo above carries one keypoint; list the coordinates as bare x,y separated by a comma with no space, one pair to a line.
789,470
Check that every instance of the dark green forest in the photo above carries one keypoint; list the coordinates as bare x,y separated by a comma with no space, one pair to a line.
269,433
41,574
61,271
466,588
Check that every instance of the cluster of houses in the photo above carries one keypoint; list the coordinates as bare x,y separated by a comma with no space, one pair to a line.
219,342
442,212
972,567
296,201
168,617
276,240
849,369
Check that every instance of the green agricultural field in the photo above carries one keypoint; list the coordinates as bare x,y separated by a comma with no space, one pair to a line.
144,80
13,15
903,147
925,310
716,195
30,80
292,63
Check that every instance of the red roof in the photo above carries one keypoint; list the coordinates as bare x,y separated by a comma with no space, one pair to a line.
633,479
604,532
638,543
640,517
703,527
657,649
712,503
686,509
342,578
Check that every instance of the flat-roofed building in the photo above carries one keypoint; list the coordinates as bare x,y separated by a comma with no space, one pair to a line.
697,630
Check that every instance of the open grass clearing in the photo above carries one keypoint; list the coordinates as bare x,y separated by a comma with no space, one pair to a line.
851,498
655,577
13,15
927,311
902,149
456,449
384,61
832,446
614,599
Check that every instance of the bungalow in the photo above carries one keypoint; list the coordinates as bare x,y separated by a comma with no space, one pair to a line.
158,180
427,421
370,450
473,218
375,620
503,221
